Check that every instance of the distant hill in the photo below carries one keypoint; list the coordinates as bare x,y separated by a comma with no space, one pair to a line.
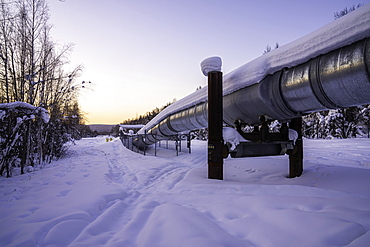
101,128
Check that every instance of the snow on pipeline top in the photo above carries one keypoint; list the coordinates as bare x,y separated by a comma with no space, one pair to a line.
43,113
344,31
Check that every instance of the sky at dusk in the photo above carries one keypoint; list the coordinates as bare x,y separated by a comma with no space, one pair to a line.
142,54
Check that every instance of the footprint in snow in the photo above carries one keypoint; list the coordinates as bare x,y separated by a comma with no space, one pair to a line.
29,212
63,192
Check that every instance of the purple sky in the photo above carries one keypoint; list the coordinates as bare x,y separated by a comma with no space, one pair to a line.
141,54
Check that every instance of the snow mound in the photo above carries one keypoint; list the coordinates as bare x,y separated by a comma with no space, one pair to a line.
211,64
231,136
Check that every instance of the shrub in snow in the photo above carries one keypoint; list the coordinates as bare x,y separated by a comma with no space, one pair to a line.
20,134
340,123
29,138
200,134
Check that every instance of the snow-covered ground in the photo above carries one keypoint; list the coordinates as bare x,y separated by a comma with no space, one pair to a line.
106,195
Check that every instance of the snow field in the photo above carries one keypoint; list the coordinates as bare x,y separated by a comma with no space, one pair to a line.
105,195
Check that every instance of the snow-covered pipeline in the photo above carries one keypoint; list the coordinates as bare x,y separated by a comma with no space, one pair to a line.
326,69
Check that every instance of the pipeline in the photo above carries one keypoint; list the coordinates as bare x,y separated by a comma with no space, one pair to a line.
336,75
338,79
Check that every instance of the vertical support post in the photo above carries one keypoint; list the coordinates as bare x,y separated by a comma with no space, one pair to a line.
284,131
296,156
144,141
155,148
179,142
215,120
189,143
264,129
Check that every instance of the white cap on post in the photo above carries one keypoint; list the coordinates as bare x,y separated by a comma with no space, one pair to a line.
211,64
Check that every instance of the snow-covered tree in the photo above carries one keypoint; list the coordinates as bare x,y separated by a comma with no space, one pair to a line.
32,72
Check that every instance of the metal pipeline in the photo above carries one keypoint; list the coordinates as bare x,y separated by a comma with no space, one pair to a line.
338,79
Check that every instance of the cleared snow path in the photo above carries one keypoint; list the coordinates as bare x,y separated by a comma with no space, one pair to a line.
106,195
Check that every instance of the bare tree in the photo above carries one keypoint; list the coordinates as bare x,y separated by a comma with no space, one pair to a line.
268,48
345,11
32,71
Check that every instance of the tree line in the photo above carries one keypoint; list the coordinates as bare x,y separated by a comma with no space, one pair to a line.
144,119
32,71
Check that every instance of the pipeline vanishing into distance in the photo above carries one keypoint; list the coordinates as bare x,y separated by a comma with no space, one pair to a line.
336,79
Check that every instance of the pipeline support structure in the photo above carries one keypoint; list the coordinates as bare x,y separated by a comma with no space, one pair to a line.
334,78
215,124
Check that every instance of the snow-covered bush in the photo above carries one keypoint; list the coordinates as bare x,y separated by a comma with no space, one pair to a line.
30,138
200,134
21,136
364,128
340,123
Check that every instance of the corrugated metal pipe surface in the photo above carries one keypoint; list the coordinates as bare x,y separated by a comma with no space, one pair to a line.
338,79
